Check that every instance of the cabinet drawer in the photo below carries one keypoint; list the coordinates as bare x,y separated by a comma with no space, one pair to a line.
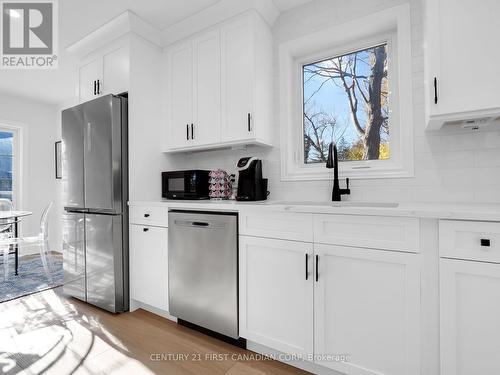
474,240
288,226
149,215
377,232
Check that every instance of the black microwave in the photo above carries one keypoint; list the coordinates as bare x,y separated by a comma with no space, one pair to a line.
192,184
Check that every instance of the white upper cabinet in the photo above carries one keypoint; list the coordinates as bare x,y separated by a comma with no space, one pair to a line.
206,88
218,86
461,61
238,66
89,76
106,72
116,68
179,94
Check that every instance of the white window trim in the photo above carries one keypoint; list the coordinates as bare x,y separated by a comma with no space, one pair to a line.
392,26
16,129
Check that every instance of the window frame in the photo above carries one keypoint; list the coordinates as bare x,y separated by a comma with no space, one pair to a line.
391,26
16,130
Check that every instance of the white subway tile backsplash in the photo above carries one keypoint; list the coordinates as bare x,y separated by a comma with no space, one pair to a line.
487,158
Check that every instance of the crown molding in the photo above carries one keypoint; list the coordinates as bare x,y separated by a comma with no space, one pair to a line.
215,14
125,23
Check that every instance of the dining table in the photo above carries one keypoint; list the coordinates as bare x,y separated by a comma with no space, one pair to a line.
14,217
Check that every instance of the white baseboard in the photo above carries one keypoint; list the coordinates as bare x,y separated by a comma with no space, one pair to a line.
303,365
134,305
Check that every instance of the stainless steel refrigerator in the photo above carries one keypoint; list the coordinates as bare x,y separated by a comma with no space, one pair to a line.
95,194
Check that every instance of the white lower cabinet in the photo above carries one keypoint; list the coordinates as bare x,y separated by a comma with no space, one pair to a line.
356,310
367,308
276,295
148,264
470,309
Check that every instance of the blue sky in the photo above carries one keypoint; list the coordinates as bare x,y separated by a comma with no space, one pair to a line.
323,94
333,99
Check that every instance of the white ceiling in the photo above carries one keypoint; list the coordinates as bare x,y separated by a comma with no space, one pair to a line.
78,18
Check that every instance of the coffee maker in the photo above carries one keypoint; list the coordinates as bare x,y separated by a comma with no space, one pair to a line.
251,185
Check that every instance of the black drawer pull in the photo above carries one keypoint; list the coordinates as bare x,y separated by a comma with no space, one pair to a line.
485,242
146,215
145,229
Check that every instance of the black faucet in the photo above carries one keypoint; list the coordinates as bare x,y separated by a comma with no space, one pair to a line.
333,162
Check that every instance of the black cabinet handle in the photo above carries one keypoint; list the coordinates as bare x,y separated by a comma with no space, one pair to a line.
187,132
146,215
249,119
485,242
145,229
317,271
192,131
307,266
95,87
435,90
98,87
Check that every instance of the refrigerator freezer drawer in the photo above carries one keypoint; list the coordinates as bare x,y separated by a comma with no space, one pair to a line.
106,279
74,255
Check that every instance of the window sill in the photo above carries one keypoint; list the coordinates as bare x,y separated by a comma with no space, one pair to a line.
316,173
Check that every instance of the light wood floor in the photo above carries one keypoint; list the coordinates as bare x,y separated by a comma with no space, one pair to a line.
48,333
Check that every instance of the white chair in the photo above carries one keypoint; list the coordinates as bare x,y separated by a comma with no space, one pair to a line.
5,204
6,224
6,231
41,241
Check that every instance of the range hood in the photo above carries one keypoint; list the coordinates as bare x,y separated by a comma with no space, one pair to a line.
470,120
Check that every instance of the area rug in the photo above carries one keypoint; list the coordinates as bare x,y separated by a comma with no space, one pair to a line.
31,277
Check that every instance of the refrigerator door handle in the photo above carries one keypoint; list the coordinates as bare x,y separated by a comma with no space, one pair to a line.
76,210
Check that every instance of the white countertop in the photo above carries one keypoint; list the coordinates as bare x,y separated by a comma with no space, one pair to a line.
458,211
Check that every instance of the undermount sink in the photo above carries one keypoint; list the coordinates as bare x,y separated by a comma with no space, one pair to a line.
339,204
365,204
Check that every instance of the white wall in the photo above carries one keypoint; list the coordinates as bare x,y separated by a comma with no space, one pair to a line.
452,166
37,121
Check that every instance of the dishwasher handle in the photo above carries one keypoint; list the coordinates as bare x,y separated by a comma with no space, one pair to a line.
200,224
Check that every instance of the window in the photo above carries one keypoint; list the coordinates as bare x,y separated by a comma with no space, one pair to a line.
350,84
345,100
10,136
6,163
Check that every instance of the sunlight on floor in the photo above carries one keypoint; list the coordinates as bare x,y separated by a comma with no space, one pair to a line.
51,334
45,334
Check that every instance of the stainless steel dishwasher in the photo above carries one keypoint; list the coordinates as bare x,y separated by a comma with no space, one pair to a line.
203,269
